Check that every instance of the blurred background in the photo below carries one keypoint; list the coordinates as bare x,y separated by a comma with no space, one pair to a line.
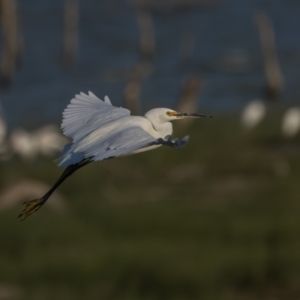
218,219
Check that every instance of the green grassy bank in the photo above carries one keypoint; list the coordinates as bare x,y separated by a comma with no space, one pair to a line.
219,219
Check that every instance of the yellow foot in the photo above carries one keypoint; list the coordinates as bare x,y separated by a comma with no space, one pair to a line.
30,208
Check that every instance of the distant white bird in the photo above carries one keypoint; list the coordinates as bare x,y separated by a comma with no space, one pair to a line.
44,141
291,122
102,131
23,144
49,140
253,113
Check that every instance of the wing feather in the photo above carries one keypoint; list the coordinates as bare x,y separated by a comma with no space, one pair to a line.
86,113
117,143
100,131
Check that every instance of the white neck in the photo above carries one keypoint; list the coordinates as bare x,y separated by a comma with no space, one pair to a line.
162,128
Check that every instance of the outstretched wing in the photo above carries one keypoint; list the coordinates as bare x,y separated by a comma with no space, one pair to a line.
86,113
117,143
101,131
120,143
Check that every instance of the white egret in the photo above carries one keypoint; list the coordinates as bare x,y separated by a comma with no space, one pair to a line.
49,140
44,141
253,114
291,122
23,144
102,131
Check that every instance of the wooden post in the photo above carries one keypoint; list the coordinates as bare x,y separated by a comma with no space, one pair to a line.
189,95
274,77
146,30
11,41
132,91
70,32
175,5
186,50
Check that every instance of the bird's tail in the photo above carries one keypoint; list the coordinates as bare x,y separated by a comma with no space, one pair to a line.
31,207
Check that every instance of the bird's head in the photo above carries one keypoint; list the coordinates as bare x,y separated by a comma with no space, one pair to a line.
163,115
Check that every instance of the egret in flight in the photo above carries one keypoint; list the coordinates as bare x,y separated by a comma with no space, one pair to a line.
101,131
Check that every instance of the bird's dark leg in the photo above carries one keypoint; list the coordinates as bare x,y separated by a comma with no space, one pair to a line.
34,205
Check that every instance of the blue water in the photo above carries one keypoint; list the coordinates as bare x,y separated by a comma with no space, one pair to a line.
226,54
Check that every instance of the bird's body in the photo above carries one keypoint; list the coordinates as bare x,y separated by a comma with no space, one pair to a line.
106,131
101,131
125,126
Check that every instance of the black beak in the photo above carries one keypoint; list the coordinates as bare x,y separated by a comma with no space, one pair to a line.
191,115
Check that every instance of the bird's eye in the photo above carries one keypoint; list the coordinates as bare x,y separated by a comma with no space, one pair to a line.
171,113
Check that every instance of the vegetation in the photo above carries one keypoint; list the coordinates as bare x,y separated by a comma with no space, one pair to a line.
218,219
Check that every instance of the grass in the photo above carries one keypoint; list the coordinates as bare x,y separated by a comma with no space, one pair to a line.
218,219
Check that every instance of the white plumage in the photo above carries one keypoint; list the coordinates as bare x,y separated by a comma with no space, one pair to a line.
253,114
291,122
101,131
